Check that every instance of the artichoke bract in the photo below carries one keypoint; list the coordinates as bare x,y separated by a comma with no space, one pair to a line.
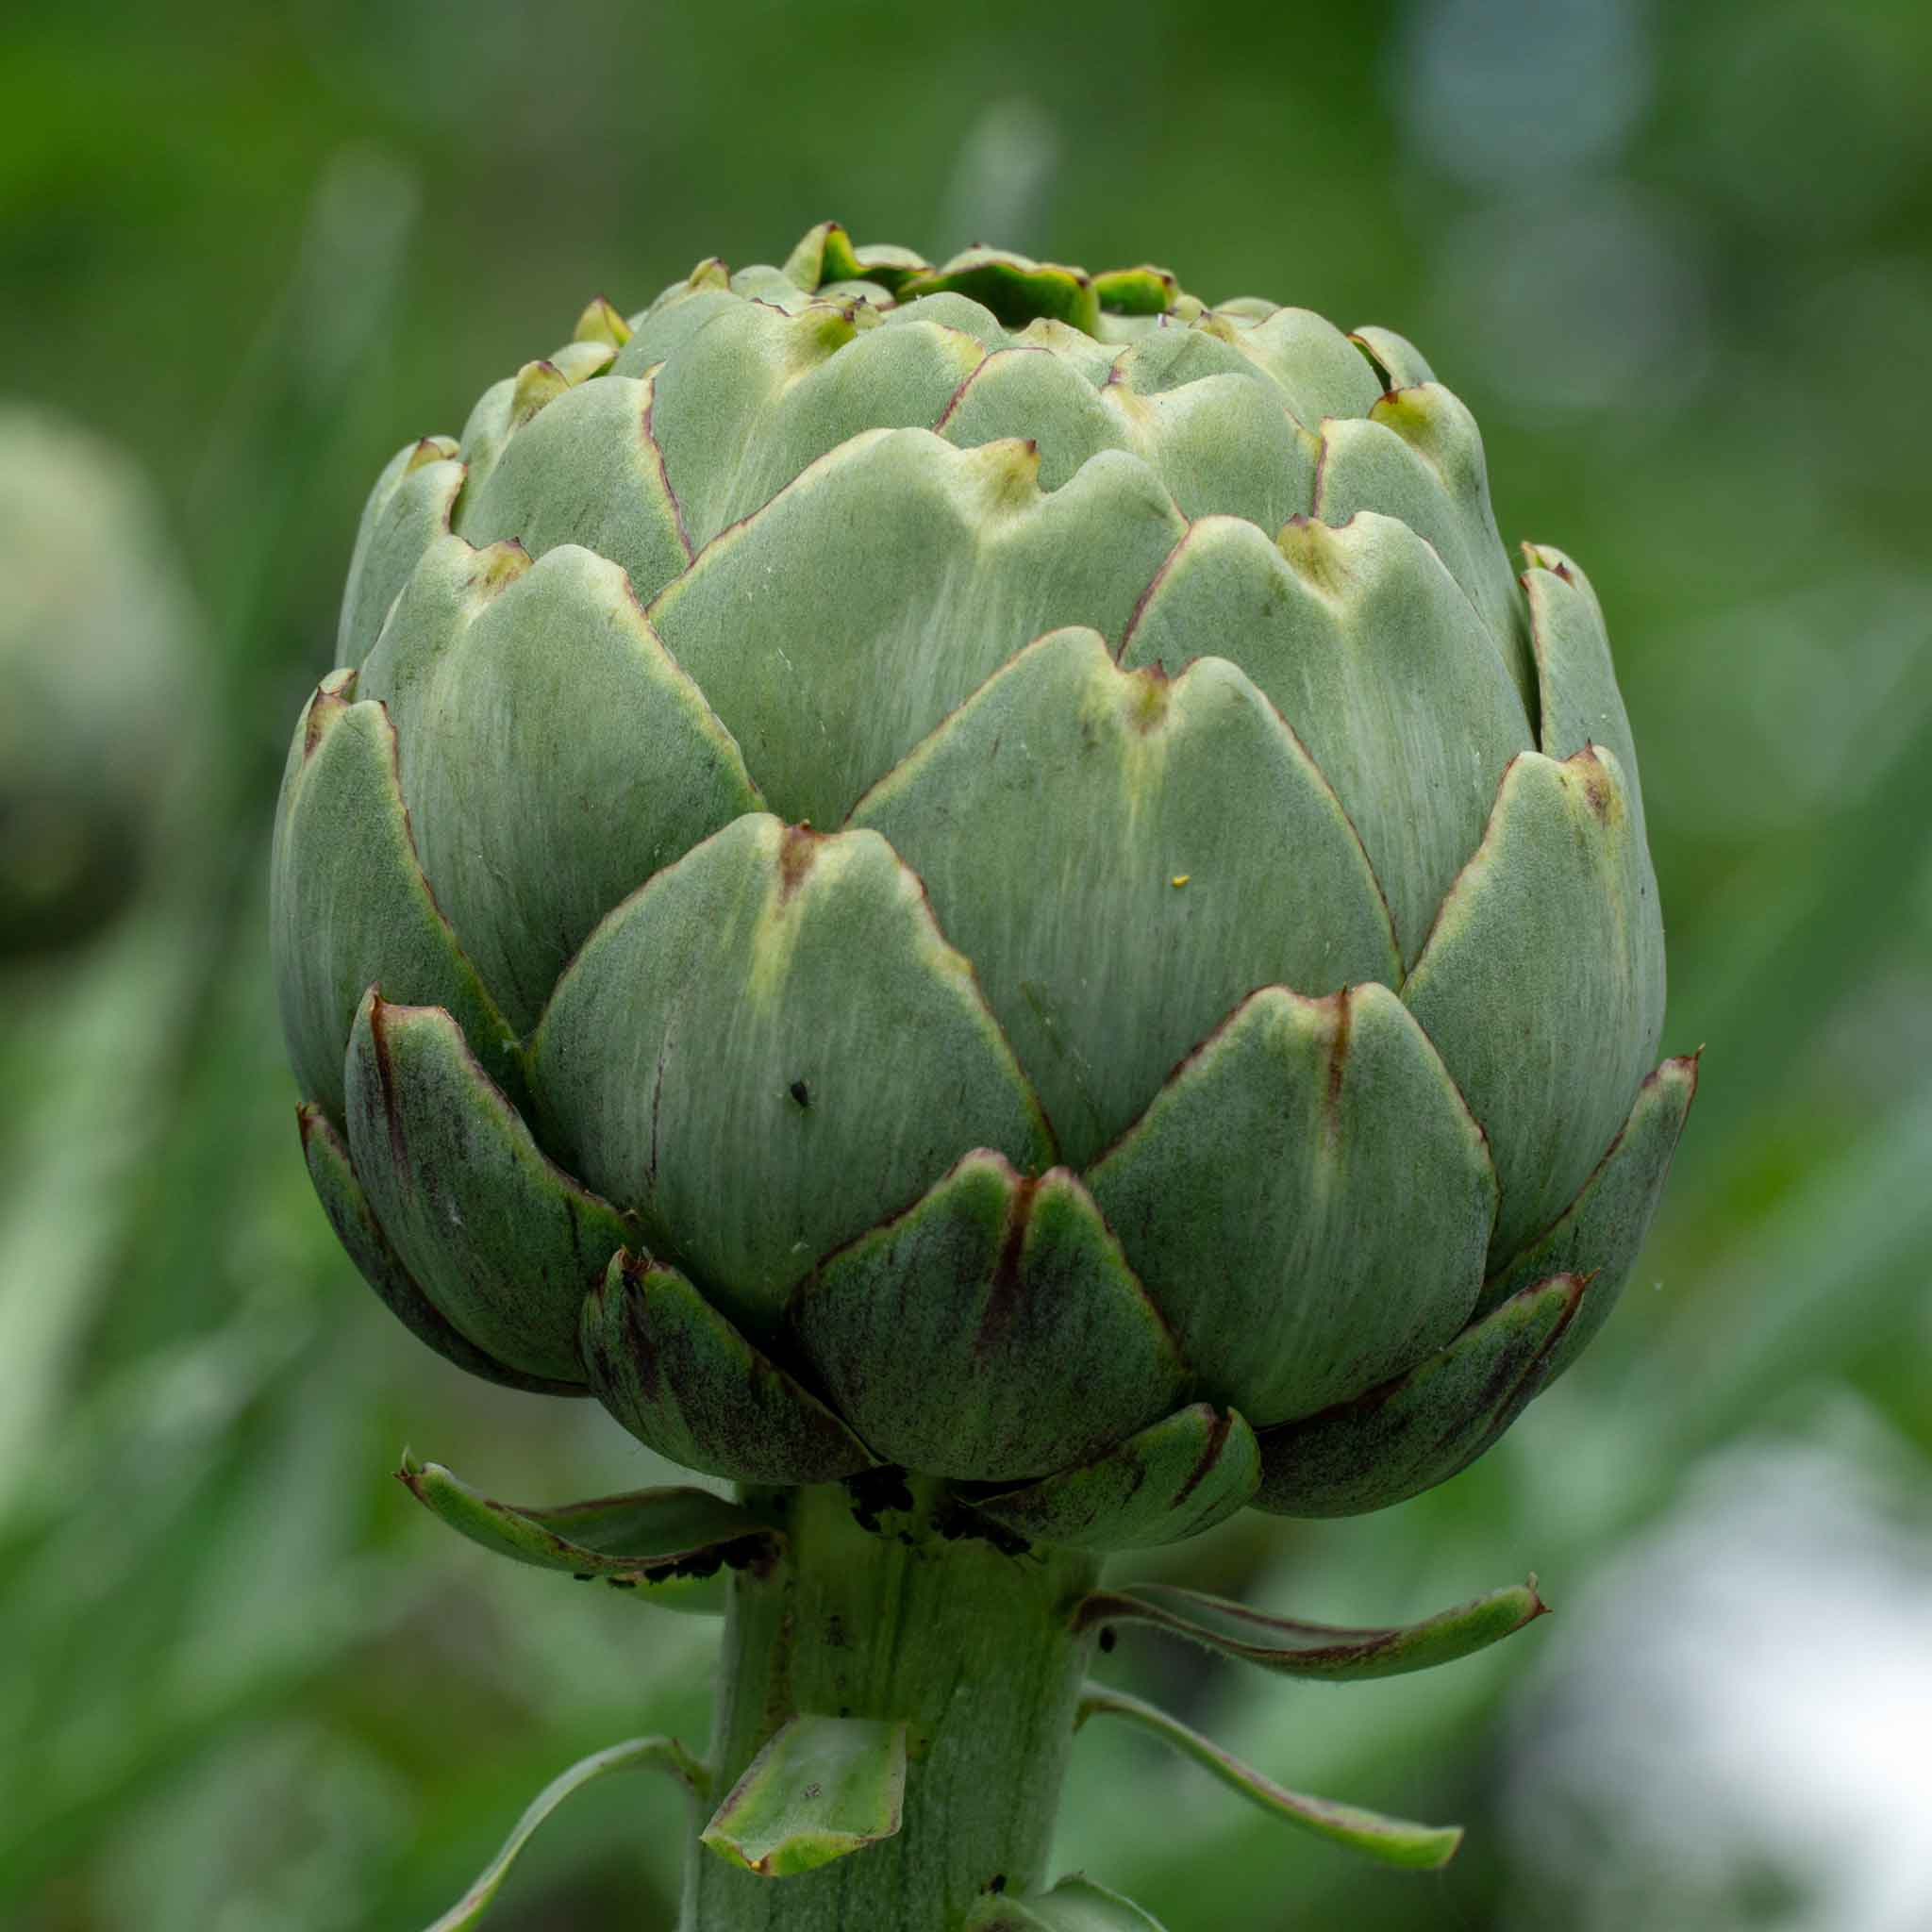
984,870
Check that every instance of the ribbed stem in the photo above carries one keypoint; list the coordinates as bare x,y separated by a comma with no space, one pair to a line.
886,1614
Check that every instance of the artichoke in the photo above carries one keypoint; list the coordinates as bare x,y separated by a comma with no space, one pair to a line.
95,647
983,871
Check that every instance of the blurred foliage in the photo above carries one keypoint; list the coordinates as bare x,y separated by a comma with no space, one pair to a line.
1679,261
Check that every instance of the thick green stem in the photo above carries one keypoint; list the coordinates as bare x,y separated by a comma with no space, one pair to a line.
885,1614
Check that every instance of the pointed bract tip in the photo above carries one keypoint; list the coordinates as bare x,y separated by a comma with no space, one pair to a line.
538,382
601,322
1375,362
1600,790
1006,472
499,565
1415,412
1315,552
331,698
798,846
830,326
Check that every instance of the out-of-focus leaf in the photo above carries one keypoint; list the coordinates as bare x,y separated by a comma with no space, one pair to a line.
92,1095
1854,1234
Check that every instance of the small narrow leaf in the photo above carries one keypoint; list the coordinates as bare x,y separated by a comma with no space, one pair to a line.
1388,1840
674,1543
1075,1905
821,1787
1296,1649
634,1754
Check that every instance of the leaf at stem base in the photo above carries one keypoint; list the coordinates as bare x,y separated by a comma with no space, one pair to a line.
823,1788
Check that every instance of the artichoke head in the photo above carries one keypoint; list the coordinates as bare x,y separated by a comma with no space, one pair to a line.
96,633
984,870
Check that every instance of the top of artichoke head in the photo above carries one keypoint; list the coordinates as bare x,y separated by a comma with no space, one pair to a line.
980,867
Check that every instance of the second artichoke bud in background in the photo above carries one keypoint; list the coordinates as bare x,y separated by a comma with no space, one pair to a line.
96,645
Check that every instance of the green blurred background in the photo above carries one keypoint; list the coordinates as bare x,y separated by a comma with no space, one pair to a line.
1678,260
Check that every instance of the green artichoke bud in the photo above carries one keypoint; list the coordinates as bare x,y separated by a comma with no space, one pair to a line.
94,651
985,869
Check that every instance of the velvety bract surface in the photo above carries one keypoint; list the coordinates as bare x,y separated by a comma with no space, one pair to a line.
981,867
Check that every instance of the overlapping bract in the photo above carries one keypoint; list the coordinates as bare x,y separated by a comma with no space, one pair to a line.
987,869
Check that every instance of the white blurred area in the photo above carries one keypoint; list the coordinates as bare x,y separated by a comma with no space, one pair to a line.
1001,179
1733,1729
1566,286
1494,92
